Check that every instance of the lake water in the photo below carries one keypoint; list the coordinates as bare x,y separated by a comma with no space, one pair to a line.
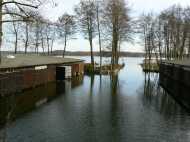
130,107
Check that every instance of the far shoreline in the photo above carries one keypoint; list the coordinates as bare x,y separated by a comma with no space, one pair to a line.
79,53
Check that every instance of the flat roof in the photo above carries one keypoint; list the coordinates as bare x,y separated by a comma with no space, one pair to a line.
24,61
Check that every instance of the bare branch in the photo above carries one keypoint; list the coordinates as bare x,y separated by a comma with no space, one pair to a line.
18,3
12,13
19,20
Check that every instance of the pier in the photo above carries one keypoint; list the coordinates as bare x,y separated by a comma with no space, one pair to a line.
175,79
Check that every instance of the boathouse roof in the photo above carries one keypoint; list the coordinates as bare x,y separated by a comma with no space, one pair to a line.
25,61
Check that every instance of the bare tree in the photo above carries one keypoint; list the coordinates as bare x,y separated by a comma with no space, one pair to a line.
27,28
86,14
22,16
168,32
147,34
118,25
98,11
16,28
53,36
66,28
37,35
27,36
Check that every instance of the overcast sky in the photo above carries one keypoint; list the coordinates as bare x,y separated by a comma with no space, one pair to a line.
137,6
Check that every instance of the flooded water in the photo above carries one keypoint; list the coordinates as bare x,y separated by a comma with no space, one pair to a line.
130,107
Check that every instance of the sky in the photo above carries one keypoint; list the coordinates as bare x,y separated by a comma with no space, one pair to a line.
137,7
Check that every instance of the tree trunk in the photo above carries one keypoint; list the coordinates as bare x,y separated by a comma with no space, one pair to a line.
183,42
168,47
189,48
16,42
16,34
160,41
26,41
99,36
1,30
16,37
52,41
48,44
114,45
37,42
115,37
91,84
90,41
91,51
65,45
42,44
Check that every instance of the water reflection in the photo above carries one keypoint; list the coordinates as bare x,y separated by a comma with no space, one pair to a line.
155,95
16,105
77,81
114,84
150,84
91,84
130,106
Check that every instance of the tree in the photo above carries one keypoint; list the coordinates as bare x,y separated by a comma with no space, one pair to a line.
21,16
147,31
98,10
66,28
16,28
175,31
27,36
86,14
167,33
117,23
27,27
45,33
37,30
187,17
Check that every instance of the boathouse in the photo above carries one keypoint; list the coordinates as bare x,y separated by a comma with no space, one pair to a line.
21,72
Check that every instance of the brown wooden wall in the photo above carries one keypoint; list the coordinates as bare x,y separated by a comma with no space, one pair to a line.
77,69
25,79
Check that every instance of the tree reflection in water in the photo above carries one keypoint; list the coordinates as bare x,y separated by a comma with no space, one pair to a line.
7,108
114,84
91,84
155,96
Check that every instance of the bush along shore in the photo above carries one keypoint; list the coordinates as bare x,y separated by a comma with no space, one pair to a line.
150,67
103,70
